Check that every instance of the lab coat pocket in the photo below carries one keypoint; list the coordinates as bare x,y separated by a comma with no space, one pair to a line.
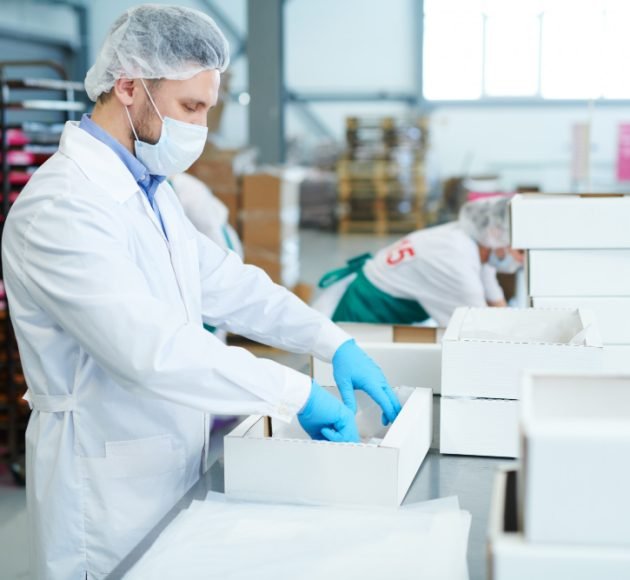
126,494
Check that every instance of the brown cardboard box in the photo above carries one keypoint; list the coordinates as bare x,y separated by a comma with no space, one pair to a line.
303,291
232,202
416,334
270,216
267,230
221,169
280,271
266,192
270,208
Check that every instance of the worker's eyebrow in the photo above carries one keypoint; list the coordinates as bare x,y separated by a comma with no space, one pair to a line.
196,103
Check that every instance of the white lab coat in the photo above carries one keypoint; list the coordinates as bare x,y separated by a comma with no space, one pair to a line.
121,374
207,213
442,270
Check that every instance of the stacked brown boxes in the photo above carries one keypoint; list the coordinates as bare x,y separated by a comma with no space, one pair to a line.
382,185
221,171
270,223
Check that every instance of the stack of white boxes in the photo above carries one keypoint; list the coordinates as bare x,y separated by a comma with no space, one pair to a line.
484,353
579,257
573,514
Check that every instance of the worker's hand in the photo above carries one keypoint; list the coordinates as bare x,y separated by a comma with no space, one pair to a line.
353,369
325,417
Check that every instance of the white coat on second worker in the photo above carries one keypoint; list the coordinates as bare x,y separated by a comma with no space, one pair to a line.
439,267
108,315
206,212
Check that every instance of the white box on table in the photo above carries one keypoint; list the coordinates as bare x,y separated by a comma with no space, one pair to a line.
290,467
485,350
409,364
540,221
612,313
511,557
575,475
616,359
485,427
579,273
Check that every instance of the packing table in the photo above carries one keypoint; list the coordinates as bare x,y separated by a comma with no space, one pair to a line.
470,478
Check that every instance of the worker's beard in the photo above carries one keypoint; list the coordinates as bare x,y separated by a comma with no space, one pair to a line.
147,124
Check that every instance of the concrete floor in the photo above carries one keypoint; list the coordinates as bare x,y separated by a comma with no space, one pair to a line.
320,252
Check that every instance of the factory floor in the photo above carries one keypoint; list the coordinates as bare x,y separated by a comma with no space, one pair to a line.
320,251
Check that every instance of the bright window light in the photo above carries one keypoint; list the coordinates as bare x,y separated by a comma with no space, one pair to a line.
550,49
616,51
572,50
512,55
453,52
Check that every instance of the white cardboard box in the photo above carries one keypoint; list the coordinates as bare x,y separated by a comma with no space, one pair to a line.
486,427
611,313
569,222
367,332
576,441
616,359
485,350
412,365
289,467
579,273
511,557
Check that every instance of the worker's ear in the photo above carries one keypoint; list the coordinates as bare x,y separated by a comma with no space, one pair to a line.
125,91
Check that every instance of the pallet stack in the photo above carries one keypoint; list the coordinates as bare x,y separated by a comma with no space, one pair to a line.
381,177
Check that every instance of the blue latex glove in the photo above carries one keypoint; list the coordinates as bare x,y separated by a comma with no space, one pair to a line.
325,417
353,369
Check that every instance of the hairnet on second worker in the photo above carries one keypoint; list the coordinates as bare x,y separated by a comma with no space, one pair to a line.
487,221
152,41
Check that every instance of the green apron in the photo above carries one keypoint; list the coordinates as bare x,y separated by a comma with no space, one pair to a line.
364,302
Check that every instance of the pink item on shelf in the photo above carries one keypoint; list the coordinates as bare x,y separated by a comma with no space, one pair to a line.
623,152
20,158
17,137
17,177
13,195
475,195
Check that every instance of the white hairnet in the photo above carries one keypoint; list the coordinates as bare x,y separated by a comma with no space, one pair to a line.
154,41
487,221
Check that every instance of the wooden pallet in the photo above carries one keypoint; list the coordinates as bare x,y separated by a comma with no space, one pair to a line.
382,226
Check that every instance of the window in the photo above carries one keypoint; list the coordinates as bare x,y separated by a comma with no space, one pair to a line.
542,49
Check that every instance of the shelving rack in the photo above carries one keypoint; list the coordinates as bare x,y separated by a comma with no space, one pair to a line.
32,113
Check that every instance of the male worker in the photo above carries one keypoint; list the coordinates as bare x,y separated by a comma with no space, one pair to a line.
429,273
109,286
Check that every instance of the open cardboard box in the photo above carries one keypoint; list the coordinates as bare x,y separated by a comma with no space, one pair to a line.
484,427
511,557
576,442
541,221
554,273
397,333
290,467
485,350
409,364
611,312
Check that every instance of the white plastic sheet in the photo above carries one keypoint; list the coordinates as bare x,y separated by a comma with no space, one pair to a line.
219,539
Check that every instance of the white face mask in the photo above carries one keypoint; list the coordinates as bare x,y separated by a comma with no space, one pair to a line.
179,146
506,265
